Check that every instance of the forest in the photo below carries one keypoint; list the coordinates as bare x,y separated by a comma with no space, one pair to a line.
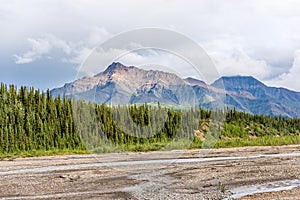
34,123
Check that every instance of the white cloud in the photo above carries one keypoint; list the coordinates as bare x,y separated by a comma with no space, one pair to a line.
265,32
41,47
23,60
291,78
239,63
96,35
71,52
38,47
79,55
148,58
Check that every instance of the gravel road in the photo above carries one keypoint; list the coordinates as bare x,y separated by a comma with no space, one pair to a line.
246,173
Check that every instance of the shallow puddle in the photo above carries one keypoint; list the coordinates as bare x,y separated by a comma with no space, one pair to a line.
275,186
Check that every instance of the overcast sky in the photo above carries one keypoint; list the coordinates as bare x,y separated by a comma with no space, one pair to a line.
43,43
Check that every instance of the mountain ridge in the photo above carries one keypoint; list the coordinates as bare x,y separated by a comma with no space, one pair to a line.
119,84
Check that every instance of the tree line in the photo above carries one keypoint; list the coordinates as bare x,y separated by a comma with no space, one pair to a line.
34,120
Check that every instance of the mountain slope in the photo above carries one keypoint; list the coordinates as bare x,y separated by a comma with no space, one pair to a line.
258,98
119,84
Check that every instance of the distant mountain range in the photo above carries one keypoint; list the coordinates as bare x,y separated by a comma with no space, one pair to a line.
120,84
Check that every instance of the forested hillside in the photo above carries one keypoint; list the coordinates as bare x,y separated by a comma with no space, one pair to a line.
31,120
34,123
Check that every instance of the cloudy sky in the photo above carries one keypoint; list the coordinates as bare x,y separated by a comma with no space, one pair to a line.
43,43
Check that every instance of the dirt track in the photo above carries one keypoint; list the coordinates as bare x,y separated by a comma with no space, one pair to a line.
195,174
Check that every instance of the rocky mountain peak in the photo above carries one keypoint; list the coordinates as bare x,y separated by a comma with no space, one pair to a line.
237,83
116,66
193,81
120,84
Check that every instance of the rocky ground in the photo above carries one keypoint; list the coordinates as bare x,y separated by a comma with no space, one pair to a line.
192,174
283,195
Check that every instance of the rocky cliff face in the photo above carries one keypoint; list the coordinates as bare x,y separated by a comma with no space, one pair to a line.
119,84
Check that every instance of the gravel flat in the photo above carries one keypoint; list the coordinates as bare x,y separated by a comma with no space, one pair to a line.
263,172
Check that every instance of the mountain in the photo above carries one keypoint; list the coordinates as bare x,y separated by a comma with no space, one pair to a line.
120,84
248,94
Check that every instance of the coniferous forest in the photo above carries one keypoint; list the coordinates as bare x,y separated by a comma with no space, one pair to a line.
34,123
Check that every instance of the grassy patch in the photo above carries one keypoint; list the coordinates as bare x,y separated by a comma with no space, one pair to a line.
35,153
259,141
